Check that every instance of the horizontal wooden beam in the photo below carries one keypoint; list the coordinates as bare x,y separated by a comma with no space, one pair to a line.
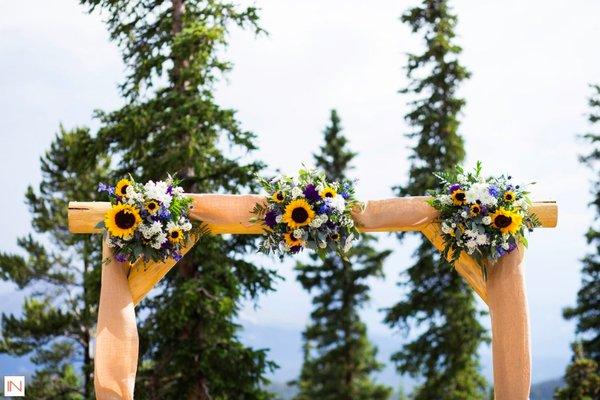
230,214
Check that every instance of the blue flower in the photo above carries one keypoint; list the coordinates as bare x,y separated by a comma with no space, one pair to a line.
177,256
120,257
310,192
271,218
325,208
453,188
494,191
345,195
164,213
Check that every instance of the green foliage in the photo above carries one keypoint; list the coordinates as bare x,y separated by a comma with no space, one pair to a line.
338,357
171,123
582,377
585,312
60,271
439,305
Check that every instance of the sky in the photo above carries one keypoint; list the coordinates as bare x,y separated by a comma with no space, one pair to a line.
531,63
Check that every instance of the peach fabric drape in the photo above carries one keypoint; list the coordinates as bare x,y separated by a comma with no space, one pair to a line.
117,340
116,352
510,327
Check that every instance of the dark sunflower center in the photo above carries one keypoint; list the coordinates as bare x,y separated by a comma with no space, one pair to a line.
124,189
124,219
502,221
459,196
328,194
335,236
280,196
151,206
293,237
509,197
475,210
299,215
174,234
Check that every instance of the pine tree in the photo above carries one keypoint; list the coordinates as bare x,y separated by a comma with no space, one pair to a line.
338,357
60,273
439,304
171,123
582,378
588,296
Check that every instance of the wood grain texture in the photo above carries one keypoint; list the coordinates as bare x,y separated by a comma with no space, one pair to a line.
230,214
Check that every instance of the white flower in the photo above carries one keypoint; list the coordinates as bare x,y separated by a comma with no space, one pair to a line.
339,203
480,191
486,220
464,214
133,196
322,245
522,203
158,191
316,223
453,225
462,179
349,242
505,246
159,240
298,233
471,244
150,230
445,199
481,240
320,187
324,218
296,192
446,229
349,222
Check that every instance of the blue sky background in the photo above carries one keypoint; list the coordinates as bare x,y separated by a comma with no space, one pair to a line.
531,63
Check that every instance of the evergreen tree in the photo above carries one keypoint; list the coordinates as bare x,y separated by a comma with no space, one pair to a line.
60,273
338,357
439,303
588,297
582,378
171,123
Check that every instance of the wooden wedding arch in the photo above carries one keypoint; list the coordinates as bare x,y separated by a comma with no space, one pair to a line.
124,286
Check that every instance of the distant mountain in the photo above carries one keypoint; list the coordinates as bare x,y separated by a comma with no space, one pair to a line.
545,390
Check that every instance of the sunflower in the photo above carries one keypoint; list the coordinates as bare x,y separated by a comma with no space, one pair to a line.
510,196
292,240
334,236
298,213
328,192
121,188
507,221
475,209
122,220
278,197
152,207
175,235
458,197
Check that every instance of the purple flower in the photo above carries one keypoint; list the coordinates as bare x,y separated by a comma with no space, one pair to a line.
453,188
170,189
484,210
295,249
177,256
120,257
494,191
311,193
345,195
500,251
102,187
512,246
271,218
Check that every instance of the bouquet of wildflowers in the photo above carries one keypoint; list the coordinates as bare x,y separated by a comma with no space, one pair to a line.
148,220
307,211
485,217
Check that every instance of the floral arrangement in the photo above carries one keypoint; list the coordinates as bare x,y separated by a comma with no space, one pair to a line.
484,217
148,220
307,211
